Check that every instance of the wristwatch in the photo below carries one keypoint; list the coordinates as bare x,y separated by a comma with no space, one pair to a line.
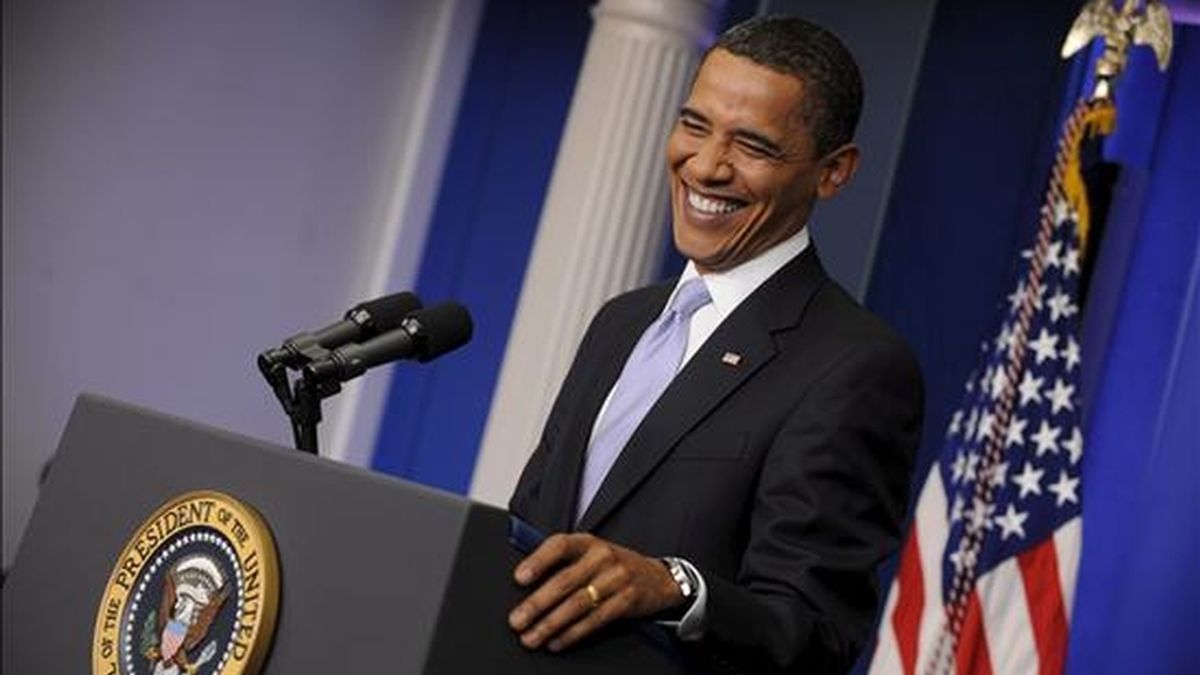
682,576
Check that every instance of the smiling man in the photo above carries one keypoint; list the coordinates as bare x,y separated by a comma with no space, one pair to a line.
729,454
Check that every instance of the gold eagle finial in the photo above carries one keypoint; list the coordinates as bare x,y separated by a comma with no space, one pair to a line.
1119,28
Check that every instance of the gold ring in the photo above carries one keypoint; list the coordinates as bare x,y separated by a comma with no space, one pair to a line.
593,595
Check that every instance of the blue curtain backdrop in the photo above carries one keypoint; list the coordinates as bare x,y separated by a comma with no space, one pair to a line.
971,177
1138,598
968,187
969,183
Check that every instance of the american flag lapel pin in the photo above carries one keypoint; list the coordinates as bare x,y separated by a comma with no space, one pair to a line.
731,359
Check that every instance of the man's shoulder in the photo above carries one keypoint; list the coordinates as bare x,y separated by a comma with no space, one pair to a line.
834,303
839,317
803,295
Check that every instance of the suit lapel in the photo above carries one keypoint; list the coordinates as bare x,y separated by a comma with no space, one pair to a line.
706,380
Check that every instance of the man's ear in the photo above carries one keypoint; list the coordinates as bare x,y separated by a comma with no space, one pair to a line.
837,170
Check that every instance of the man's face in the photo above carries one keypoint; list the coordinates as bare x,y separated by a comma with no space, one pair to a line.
744,175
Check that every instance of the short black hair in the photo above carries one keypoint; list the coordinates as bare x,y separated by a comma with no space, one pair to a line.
815,56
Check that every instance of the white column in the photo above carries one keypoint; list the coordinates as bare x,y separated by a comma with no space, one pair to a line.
602,226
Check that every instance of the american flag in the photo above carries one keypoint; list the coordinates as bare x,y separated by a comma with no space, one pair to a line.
987,574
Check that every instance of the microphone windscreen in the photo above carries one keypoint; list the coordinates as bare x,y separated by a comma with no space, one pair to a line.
446,327
383,314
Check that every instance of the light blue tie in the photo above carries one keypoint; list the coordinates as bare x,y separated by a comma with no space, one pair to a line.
646,375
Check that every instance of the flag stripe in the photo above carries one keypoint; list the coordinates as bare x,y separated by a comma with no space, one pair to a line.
971,657
1039,574
1010,636
931,522
886,658
906,619
924,547
1067,544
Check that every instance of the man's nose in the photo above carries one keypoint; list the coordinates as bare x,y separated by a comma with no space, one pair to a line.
711,164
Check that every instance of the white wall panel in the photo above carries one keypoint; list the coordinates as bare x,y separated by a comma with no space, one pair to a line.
186,183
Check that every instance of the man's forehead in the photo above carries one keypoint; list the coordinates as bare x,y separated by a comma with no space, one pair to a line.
720,54
732,85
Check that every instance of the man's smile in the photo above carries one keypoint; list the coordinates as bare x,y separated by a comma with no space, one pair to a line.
711,205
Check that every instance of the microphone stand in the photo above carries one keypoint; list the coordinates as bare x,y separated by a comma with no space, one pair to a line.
301,401
306,411
276,377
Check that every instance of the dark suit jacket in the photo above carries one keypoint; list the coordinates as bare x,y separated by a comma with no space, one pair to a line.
782,478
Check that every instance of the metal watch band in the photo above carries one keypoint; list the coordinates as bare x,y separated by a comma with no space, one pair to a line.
681,576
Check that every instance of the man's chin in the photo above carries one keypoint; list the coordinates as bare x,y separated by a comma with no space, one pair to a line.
688,248
706,260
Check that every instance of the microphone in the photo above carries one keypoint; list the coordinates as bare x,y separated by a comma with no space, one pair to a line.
423,335
364,321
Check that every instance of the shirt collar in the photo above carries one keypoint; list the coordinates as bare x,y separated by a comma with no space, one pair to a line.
729,288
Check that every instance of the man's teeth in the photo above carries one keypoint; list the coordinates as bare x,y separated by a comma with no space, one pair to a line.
711,205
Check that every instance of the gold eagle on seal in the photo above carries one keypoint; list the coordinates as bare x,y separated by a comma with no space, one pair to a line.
194,591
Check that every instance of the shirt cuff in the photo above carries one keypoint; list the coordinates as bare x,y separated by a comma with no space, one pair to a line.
690,627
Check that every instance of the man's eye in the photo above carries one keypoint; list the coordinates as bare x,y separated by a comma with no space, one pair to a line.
691,125
755,150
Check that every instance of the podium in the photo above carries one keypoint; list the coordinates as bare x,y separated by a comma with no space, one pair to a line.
377,575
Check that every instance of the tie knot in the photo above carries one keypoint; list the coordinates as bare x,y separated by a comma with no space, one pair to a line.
691,296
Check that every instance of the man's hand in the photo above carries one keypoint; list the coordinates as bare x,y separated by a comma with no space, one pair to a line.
584,583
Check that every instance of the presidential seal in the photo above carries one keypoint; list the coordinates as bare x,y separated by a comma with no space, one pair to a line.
194,592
